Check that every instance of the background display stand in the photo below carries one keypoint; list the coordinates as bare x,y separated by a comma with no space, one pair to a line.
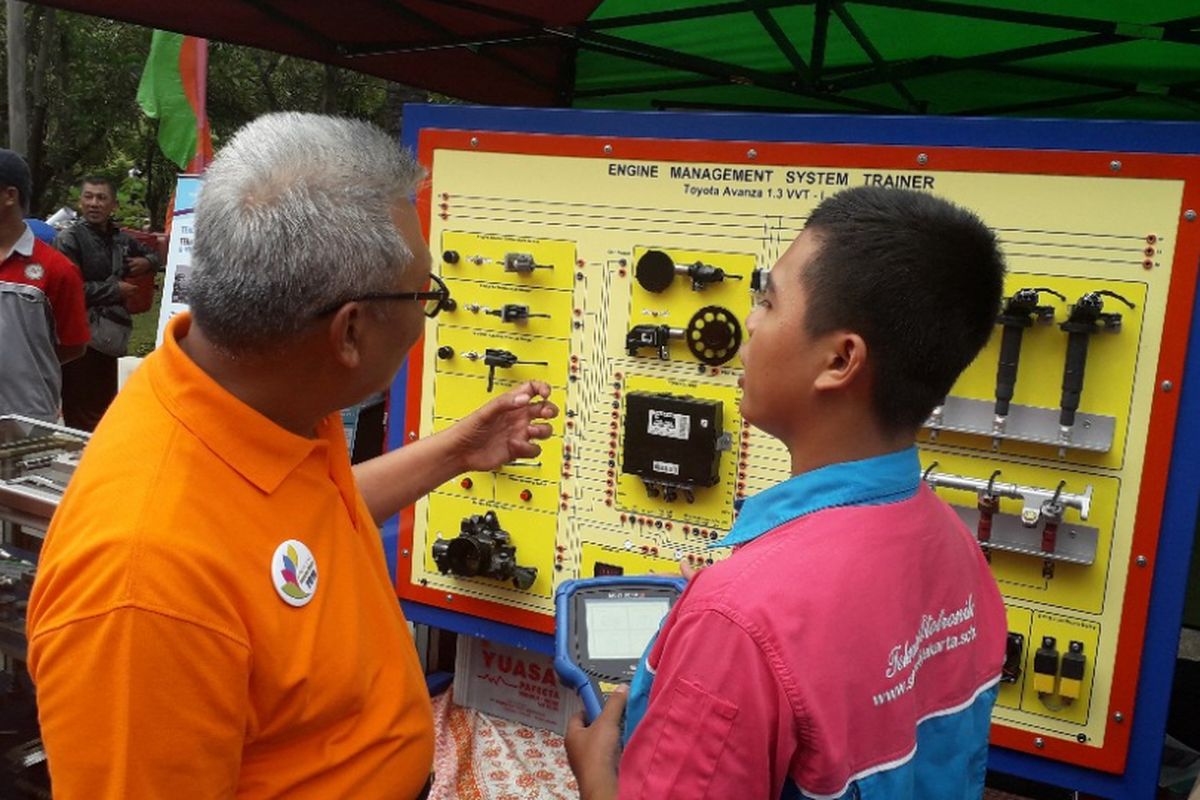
1179,509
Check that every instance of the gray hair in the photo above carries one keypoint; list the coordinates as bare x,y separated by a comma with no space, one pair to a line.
295,216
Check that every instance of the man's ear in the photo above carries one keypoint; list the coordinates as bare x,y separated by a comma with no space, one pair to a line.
345,335
845,362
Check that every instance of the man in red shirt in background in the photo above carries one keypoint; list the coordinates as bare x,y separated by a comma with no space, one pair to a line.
43,323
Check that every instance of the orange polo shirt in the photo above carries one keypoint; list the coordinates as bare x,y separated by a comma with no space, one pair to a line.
182,640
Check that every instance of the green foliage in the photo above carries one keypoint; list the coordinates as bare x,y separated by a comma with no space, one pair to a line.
91,123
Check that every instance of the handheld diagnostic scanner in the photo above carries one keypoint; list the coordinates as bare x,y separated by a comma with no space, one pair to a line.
602,628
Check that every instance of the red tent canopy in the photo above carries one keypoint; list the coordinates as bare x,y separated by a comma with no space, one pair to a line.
478,51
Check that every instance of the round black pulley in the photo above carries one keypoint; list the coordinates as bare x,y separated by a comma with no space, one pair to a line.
654,271
714,335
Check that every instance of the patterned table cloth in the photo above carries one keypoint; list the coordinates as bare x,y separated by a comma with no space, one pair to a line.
481,757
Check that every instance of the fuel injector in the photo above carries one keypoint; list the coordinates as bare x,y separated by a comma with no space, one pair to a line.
1019,312
1086,317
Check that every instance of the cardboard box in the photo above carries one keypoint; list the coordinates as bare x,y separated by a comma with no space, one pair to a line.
512,683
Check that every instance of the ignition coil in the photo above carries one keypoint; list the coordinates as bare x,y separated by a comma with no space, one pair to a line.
1073,664
1045,666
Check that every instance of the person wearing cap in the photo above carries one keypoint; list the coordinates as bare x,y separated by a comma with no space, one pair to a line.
43,323
213,612
106,255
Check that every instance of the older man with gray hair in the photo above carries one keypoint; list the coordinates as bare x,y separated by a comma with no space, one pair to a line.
212,612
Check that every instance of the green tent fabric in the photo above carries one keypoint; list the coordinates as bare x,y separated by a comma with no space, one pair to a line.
1077,58
1101,58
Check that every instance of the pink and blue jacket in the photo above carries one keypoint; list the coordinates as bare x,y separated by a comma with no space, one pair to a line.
849,648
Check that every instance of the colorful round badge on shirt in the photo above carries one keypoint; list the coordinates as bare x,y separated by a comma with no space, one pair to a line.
294,573
34,271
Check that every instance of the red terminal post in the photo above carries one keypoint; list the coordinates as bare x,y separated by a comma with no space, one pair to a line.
987,510
1052,513
988,504
526,495
466,483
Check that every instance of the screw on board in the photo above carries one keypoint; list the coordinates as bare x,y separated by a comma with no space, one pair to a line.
751,154
449,598
1167,386
608,149
404,552
1118,717
1115,166
474,141
412,436
1081,738
922,159
1039,743
1141,561
1190,215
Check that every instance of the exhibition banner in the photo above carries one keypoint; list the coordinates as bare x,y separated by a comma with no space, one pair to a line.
179,253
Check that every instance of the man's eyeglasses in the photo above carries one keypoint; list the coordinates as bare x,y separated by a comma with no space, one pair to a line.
434,300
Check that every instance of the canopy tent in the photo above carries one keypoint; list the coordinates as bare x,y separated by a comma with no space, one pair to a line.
1083,58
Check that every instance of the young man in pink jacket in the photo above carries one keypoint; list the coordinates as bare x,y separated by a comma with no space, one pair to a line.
851,646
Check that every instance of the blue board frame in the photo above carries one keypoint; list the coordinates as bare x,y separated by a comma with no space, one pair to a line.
1183,486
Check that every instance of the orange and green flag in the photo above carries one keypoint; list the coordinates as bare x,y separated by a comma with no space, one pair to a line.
172,90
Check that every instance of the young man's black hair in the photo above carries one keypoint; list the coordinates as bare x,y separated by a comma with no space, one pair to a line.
919,278
100,180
